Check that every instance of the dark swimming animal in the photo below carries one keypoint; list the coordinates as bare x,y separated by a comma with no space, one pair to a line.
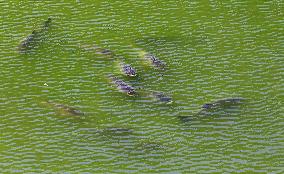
214,107
153,60
125,69
31,40
106,51
160,96
156,62
28,42
128,70
65,110
223,103
122,86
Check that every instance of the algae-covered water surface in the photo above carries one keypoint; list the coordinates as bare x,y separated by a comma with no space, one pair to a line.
141,86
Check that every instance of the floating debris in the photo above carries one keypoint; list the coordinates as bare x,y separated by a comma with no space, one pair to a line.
184,118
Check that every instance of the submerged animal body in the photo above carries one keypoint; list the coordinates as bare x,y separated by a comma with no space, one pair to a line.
223,103
160,96
217,107
117,130
97,49
105,51
66,110
122,86
149,146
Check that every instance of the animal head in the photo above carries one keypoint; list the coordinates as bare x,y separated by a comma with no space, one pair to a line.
167,100
207,106
129,70
131,93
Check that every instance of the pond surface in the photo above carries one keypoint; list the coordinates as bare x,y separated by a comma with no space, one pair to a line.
213,50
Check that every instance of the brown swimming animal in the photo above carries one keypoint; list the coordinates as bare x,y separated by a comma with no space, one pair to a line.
65,110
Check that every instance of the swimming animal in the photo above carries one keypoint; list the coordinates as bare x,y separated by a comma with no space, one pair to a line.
105,51
156,62
122,86
27,43
216,106
153,60
100,50
223,103
160,96
30,41
65,110
128,70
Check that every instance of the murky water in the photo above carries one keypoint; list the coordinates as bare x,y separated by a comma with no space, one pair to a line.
212,50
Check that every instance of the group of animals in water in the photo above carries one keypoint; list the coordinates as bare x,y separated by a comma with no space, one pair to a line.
31,40
130,71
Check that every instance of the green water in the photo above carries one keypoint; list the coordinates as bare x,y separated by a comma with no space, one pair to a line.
213,50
